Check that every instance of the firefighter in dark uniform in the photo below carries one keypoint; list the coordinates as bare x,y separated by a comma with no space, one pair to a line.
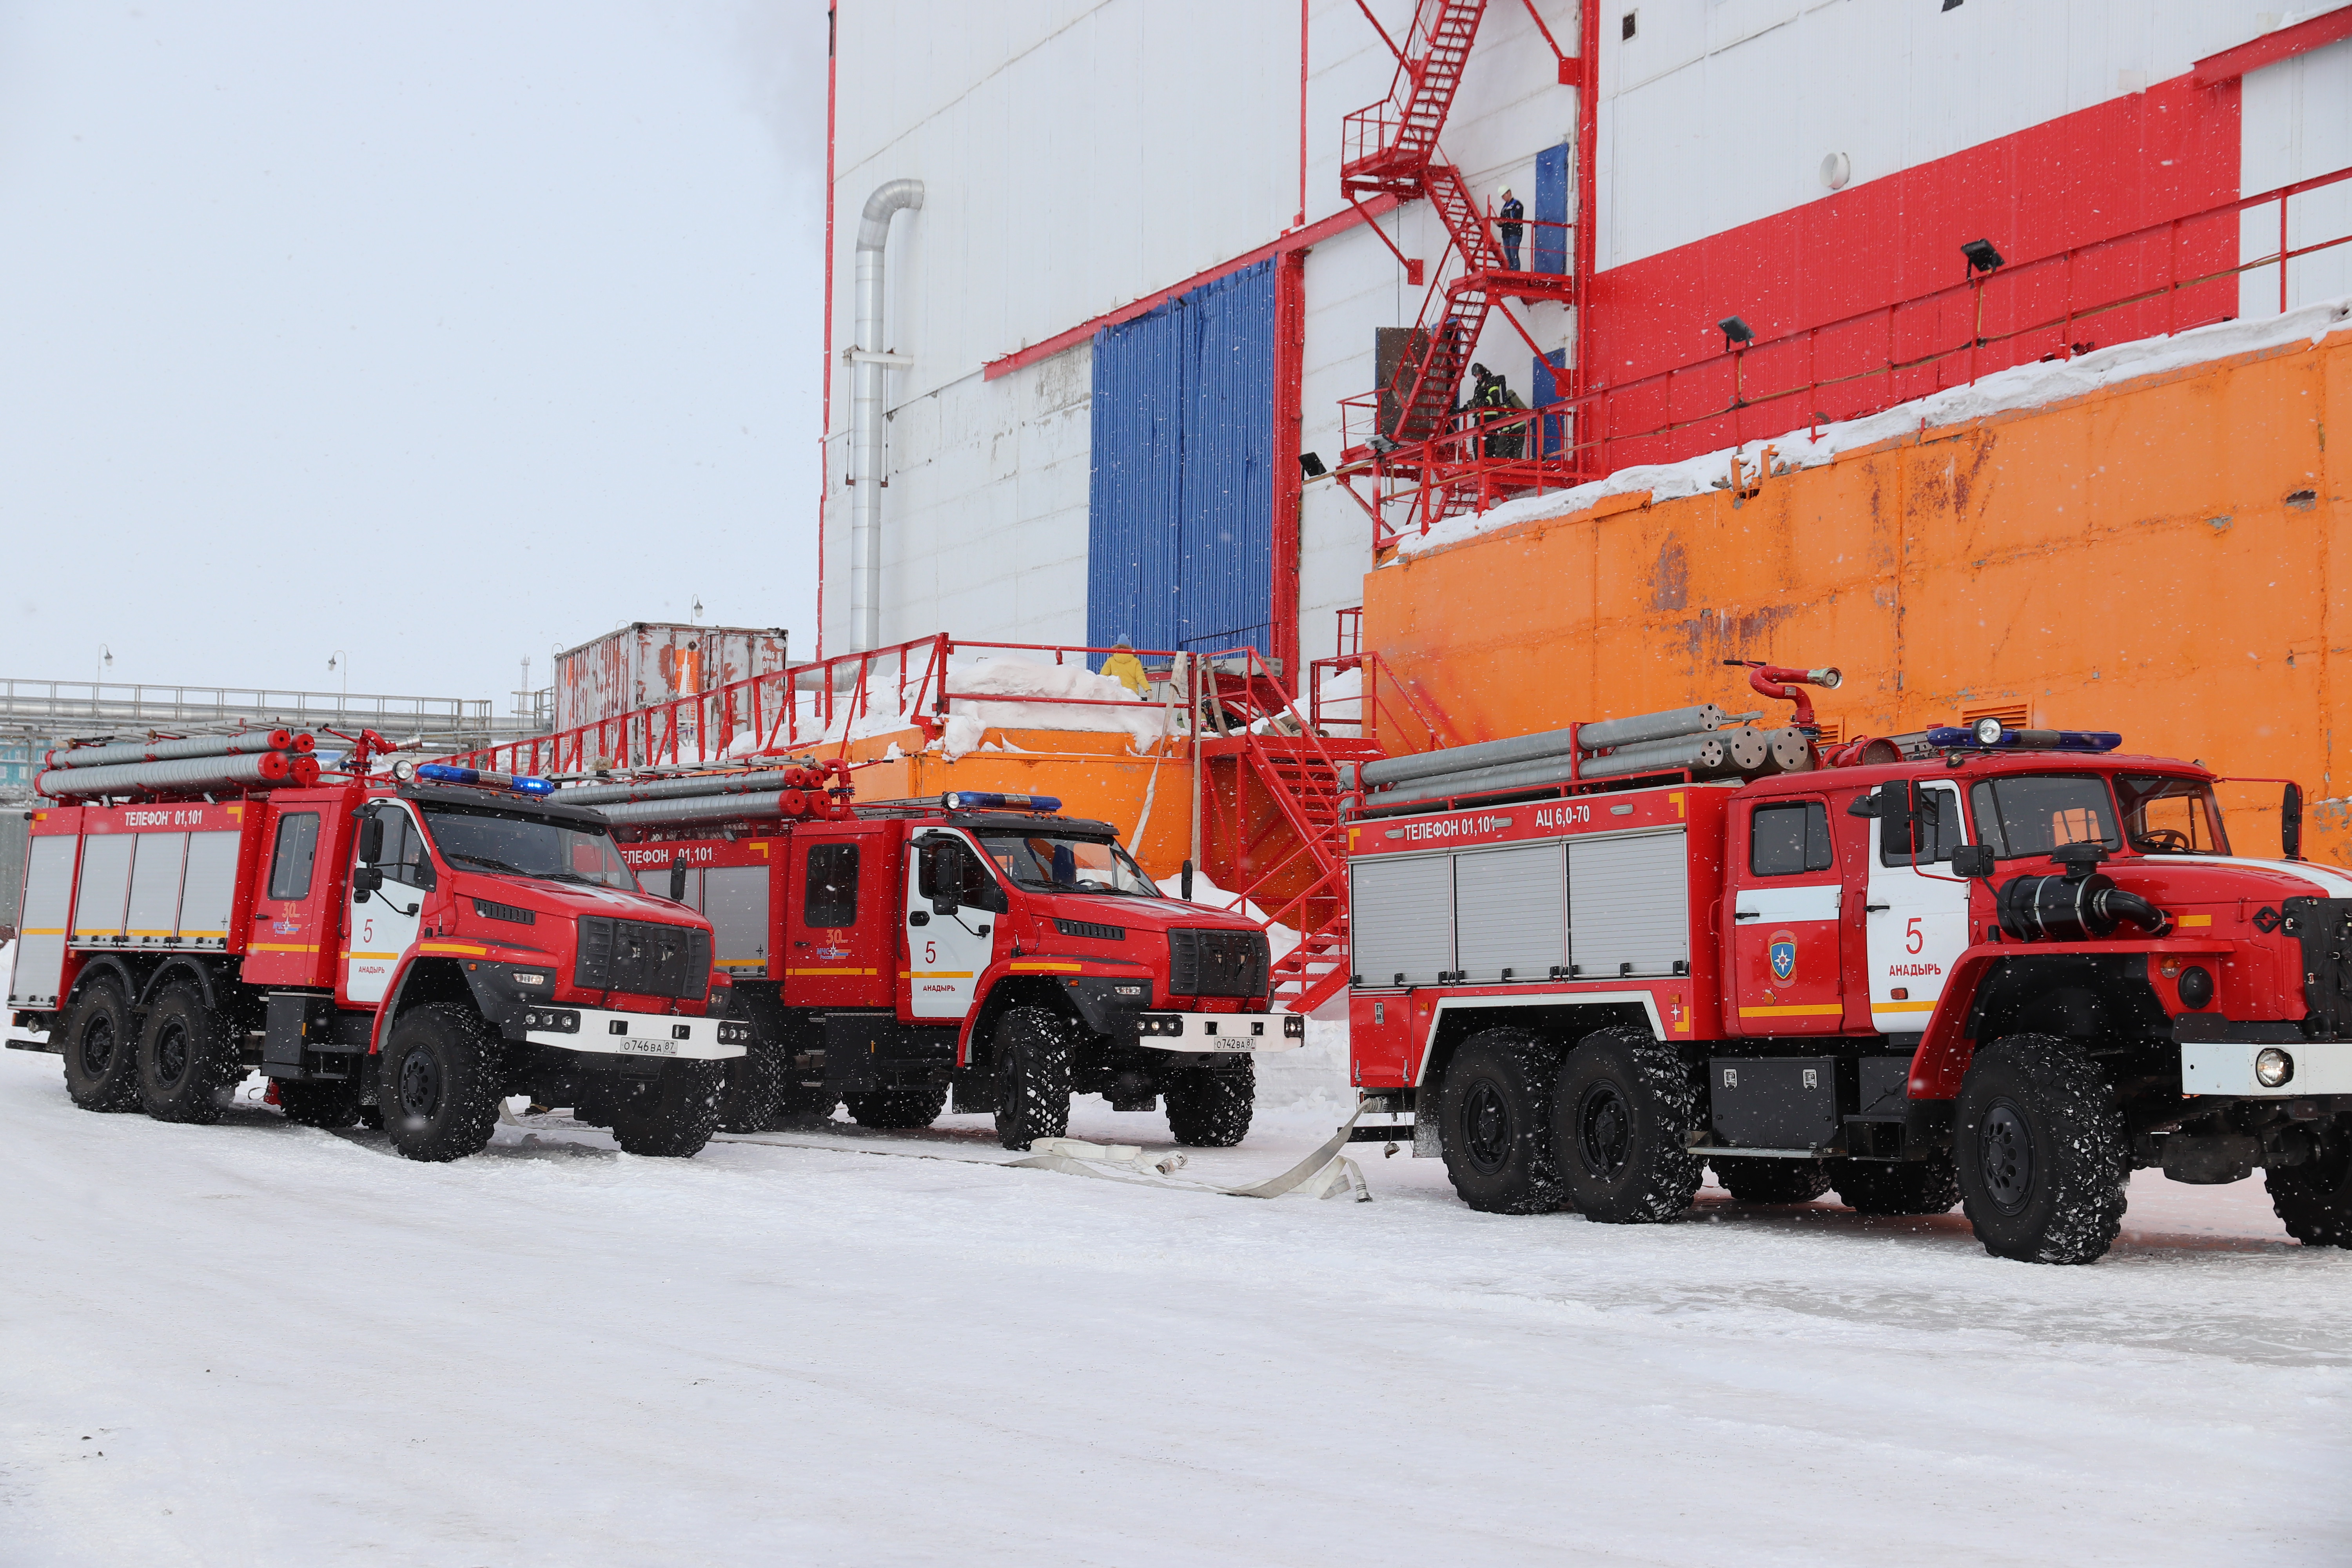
1511,211
1494,401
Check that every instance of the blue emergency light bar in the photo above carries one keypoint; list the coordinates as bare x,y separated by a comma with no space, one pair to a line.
441,773
1990,735
979,800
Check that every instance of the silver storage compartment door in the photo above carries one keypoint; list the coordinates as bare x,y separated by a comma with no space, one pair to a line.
41,940
1510,911
1629,904
154,916
1401,919
735,902
209,890
105,887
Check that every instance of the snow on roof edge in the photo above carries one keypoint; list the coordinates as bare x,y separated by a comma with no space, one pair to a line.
1807,447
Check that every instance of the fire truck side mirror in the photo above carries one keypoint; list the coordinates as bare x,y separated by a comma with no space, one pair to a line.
372,840
1972,860
677,883
2290,822
365,879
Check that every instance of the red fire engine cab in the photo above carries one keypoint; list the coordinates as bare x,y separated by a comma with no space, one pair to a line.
978,945
1995,967
400,949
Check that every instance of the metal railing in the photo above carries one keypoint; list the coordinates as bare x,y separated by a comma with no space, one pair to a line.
806,707
55,711
1858,366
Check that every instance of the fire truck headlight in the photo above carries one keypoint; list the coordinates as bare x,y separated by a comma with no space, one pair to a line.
2273,1069
2196,986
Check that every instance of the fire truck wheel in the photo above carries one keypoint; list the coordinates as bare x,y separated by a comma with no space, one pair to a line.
1209,1108
755,1080
898,1107
2042,1152
101,1069
674,1116
185,1058
1773,1180
799,1102
327,1105
438,1084
1032,1077
1622,1112
1493,1118
1931,1185
2314,1198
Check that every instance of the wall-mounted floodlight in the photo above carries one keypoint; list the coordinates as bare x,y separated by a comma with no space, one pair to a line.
1736,330
1982,256
1311,465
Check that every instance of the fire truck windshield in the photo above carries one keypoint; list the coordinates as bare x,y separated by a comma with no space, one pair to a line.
2032,814
1054,863
522,846
2170,815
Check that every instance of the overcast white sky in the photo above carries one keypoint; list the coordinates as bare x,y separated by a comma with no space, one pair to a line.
441,333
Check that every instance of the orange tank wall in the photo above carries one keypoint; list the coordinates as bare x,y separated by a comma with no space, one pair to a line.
1093,773
2157,558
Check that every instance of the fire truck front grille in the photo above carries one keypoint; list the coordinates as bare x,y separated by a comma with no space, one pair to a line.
1210,962
643,958
2324,929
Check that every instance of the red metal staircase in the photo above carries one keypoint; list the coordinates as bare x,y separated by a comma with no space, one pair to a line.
1271,831
1391,147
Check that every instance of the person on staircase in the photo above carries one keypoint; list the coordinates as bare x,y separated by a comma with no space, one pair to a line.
1492,403
1123,667
1511,211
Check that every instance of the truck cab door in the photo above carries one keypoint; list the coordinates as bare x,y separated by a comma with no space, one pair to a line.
381,921
952,902
1786,967
1917,911
839,920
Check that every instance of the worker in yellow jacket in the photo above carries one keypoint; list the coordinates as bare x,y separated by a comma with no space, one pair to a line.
1123,667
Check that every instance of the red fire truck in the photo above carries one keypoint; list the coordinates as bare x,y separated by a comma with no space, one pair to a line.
978,945
402,949
1997,967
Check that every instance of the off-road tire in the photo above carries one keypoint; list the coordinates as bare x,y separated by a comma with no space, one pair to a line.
896,1109
100,1047
320,1104
1931,1185
1770,1181
1033,1061
1493,1118
2042,1152
185,1057
803,1102
1209,1106
438,1084
1622,1110
674,1116
755,1083
2315,1199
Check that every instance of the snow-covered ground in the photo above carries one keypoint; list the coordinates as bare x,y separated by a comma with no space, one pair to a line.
258,1344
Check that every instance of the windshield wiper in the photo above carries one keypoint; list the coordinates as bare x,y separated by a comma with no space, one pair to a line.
488,864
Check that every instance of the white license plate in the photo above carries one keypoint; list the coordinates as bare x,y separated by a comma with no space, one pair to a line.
649,1048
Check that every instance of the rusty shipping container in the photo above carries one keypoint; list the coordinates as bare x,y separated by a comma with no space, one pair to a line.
648,662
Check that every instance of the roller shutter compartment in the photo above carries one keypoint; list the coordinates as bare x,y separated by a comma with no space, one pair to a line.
735,901
208,891
1629,905
1510,912
105,888
1401,920
155,868
41,940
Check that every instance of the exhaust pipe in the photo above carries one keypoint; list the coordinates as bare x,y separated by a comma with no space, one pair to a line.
865,381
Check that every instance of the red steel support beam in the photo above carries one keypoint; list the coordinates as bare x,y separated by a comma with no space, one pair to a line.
1588,121
1289,366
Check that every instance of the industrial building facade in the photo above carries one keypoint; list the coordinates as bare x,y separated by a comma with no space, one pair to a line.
1117,289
